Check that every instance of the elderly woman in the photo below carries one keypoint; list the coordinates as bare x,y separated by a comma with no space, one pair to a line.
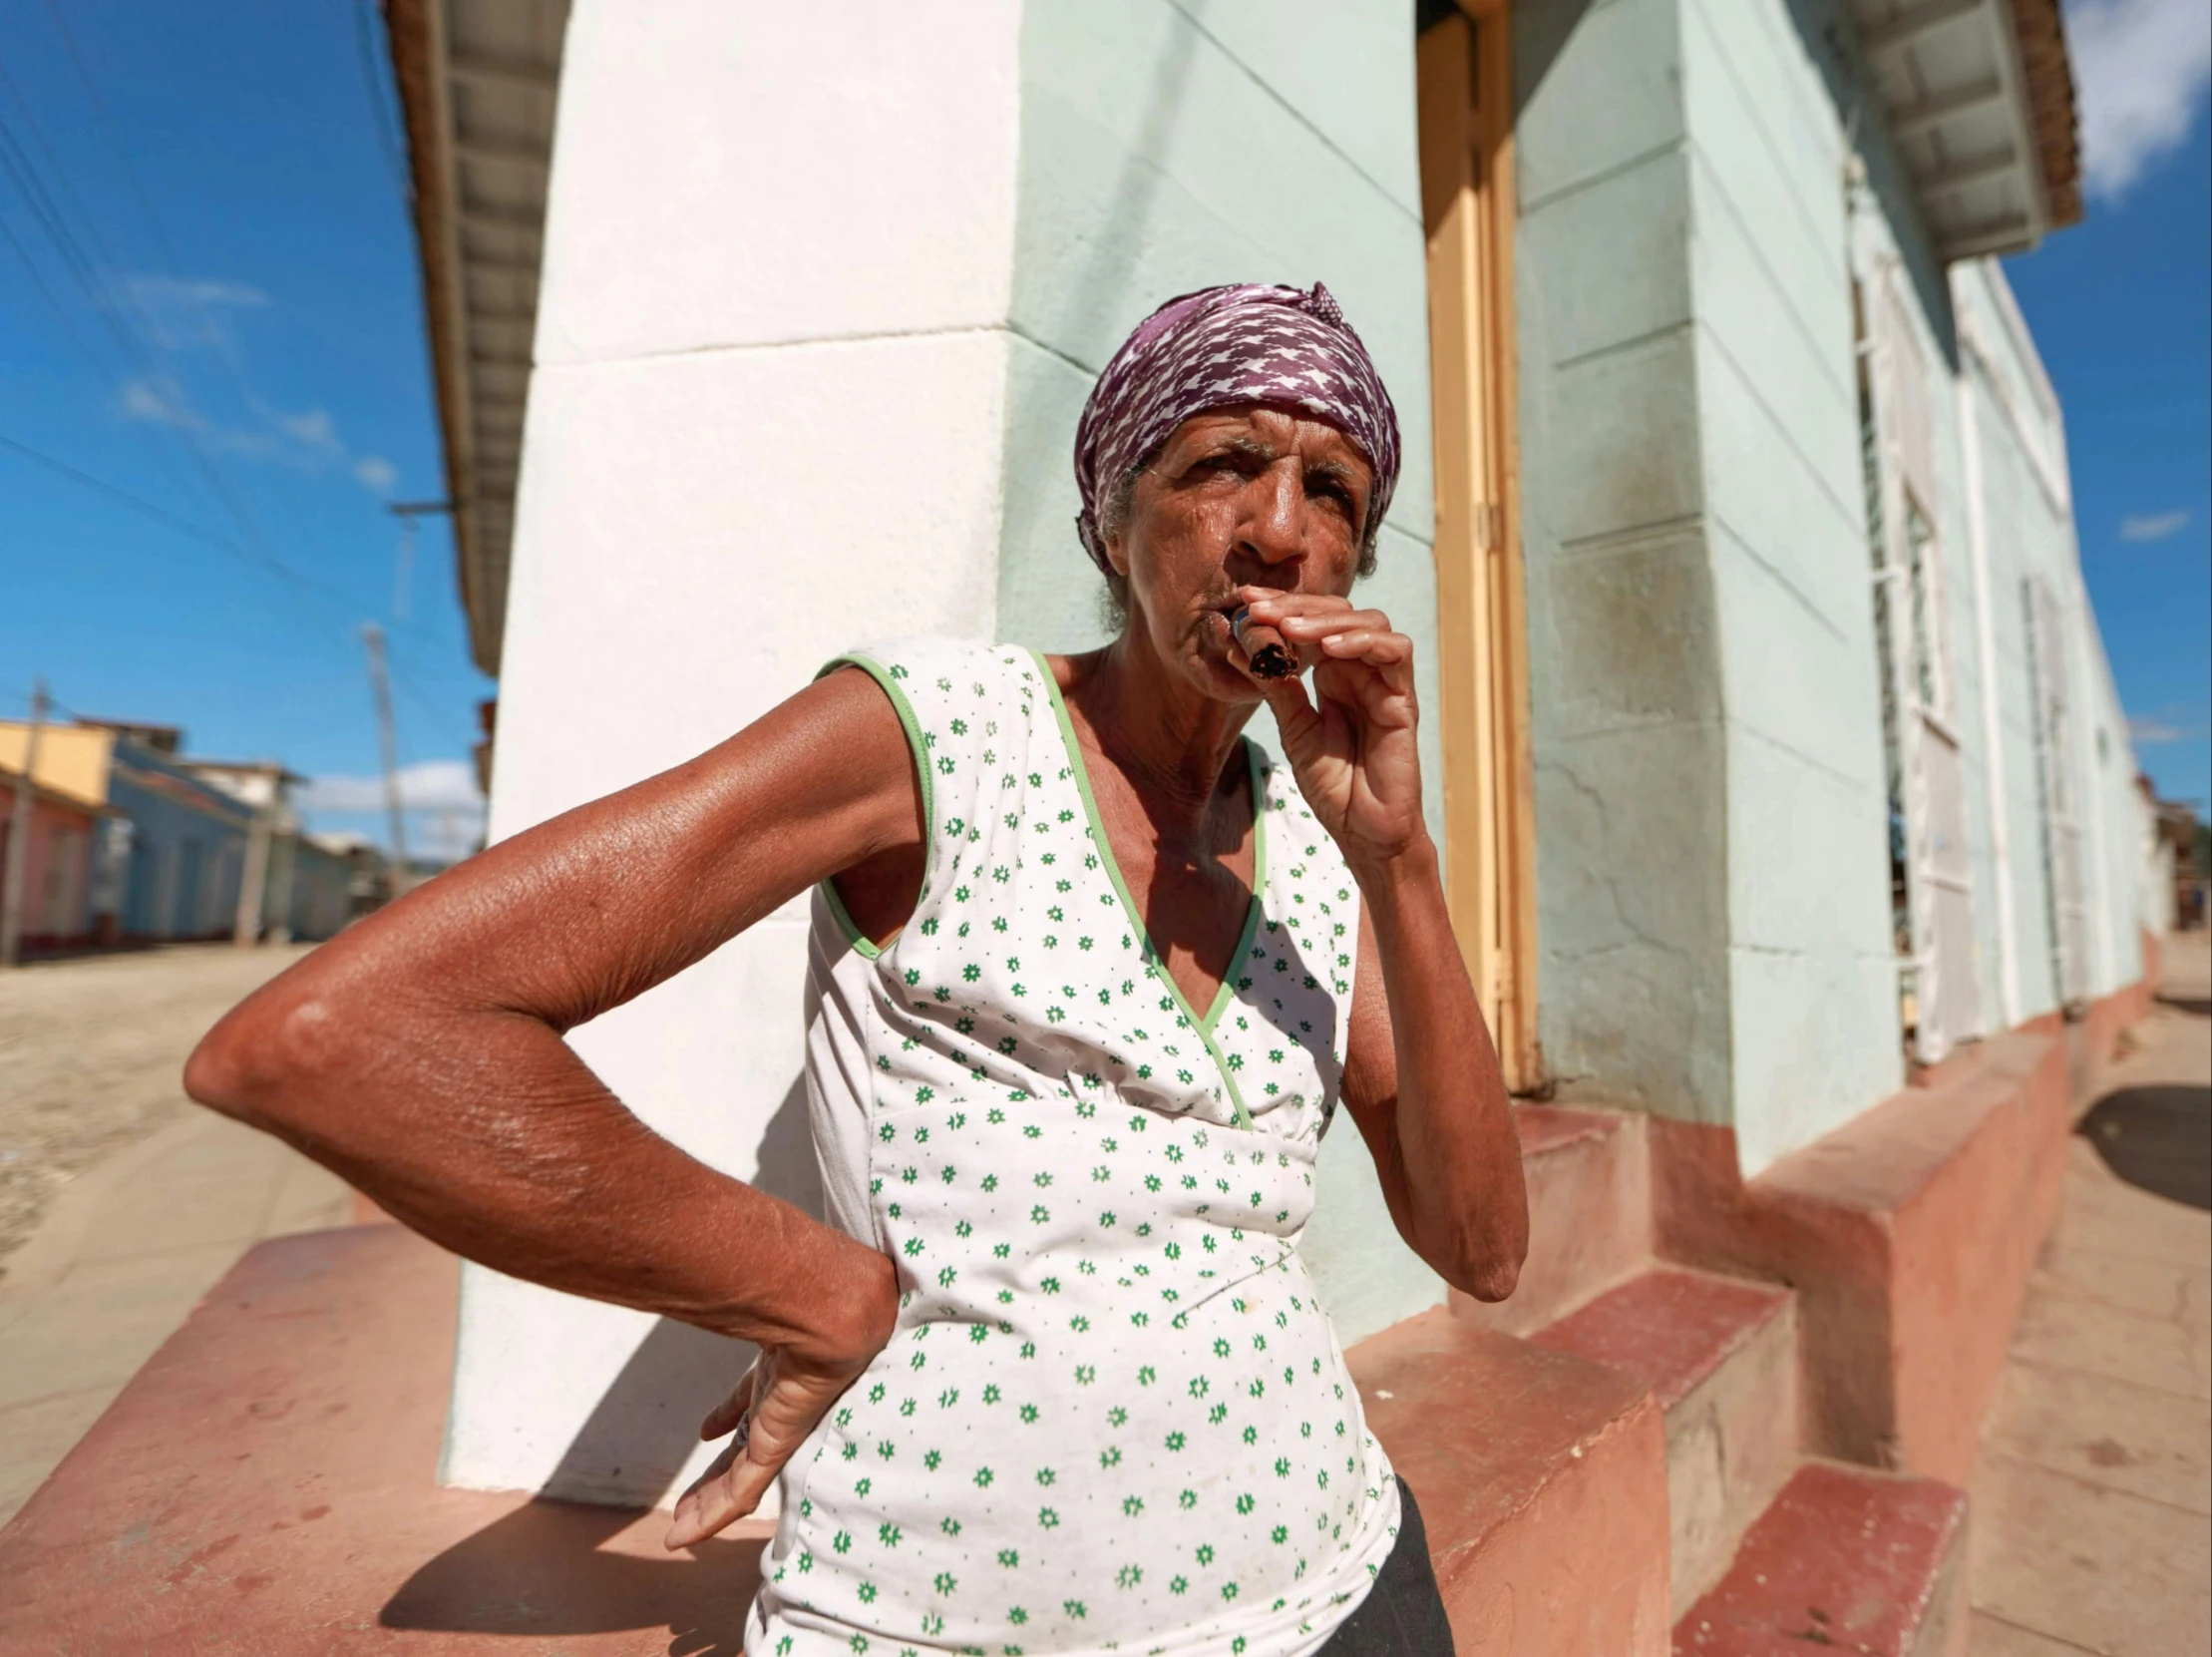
1091,975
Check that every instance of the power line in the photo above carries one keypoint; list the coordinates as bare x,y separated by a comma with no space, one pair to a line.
54,705
82,272
69,331
107,131
233,369
387,131
23,172
260,559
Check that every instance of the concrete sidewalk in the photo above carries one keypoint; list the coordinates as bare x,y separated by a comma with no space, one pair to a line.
2091,1517
118,1262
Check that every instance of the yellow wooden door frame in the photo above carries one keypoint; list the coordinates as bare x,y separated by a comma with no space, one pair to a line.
1465,89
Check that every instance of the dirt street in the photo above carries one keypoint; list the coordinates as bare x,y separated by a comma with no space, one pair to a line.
91,1051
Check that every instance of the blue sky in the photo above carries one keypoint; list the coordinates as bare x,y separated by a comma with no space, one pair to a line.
242,347
2122,309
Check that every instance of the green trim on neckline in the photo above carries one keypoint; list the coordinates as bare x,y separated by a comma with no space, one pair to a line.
1256,758
858,940
908,721
1112,866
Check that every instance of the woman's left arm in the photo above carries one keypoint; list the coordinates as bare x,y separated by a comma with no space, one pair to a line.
1422,1080
1421,1076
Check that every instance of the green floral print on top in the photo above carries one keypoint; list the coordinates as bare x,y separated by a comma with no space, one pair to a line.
1113,1415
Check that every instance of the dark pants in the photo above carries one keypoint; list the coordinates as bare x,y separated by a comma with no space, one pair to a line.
1404,1615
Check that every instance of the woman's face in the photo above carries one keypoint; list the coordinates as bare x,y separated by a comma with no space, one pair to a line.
1237,499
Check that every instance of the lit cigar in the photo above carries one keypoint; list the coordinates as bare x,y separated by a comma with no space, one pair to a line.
1271,656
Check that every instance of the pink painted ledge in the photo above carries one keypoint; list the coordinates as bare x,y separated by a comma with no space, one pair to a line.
266,1485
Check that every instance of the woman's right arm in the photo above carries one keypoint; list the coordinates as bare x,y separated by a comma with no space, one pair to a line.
420,1054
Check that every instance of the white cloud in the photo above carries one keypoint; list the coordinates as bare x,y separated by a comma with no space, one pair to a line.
151,400
189,316
445,813
2152,732
314,429
165,402
2154,526
430,785
2142,68
307,441
189,313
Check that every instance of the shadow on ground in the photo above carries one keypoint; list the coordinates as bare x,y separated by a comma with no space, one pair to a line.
2158,1139
542,1570
555,1569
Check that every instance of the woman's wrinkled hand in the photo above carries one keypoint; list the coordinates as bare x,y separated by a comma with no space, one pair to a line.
1352,744
771,1413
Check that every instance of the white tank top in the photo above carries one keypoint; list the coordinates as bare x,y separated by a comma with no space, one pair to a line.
1113,1416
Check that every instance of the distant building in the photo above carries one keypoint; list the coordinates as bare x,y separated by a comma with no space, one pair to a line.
66,835
169,860
324,877
2178,864
306,884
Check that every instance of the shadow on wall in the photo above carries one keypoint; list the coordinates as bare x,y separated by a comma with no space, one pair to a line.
545,1569
1541,31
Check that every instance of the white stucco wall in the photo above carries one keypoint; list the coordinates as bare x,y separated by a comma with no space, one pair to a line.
766,425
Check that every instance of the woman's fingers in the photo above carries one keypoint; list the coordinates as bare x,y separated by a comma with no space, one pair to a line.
1315,627
1377,646
772,1411
724,1417
714,1500
1308,614
739,1476
1321,627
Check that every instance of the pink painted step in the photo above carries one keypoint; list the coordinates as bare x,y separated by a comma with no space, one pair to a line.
1720,1356
1848,1559
1590,1213
1542,1480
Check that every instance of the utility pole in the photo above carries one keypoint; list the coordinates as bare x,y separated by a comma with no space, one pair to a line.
19,836
410,514
381,686
253,879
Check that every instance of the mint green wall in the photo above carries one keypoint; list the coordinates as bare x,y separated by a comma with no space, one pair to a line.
1712,872
1628,739
1165,148
1813,980
2031,533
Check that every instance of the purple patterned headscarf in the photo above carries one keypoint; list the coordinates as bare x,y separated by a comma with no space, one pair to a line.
1245,343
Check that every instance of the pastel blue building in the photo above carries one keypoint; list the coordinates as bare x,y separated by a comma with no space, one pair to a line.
186,844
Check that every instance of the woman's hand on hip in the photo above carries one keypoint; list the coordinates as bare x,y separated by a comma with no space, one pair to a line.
775,1409
1353,743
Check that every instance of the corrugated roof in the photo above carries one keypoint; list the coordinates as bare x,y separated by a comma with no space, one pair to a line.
478,81
1981,105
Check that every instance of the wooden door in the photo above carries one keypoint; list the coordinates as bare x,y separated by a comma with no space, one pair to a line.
1466,145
